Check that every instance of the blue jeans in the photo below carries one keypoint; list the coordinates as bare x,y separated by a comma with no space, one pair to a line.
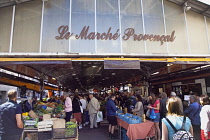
157,119
86,116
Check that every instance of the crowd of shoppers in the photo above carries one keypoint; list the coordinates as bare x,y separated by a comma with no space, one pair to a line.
195,113
84,108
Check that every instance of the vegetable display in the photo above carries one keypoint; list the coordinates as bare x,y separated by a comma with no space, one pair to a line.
71,127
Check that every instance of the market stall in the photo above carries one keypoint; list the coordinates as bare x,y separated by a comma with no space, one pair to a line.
47,121
132,127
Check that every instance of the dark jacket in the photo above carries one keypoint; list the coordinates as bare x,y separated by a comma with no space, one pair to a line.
28,107
163,109
76,105
193,111
8,123
111,108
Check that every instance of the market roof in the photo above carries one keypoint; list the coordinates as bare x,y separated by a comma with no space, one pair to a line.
88,74
199,6
4,3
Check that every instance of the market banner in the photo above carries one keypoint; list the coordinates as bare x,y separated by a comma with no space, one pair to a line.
120,64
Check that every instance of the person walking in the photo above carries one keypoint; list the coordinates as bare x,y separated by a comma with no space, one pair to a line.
68,107
176,118
77,110
163,110
139,109
111,115
29,105
155,104
193,112
84,106
93,108
173,94
11,125
205,119
86,111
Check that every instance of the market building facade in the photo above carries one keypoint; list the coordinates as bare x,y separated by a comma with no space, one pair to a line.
103,30
120,28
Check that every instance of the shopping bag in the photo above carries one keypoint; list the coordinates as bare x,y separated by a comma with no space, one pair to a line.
152,114
99,116
81,109
148,113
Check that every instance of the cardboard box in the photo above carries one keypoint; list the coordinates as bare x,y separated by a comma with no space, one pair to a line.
73,120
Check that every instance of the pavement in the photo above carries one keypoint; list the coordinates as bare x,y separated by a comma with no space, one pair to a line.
100,133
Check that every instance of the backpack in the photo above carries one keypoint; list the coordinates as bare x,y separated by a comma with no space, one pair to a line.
181,134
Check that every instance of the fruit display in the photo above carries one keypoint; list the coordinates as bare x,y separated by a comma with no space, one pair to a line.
25,114
71,125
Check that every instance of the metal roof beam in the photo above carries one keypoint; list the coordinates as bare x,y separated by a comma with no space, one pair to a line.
185,2
17,1
203,12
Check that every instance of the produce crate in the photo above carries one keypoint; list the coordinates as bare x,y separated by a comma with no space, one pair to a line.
30,122
46,135
63,133
45,126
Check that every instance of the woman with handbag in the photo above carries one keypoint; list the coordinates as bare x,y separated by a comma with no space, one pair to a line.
155,109
77,110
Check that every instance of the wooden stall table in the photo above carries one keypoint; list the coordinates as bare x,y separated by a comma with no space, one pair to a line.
138,131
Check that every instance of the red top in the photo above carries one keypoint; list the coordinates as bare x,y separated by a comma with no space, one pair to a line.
155,106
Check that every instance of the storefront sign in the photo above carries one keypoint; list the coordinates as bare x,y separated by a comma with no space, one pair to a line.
129,33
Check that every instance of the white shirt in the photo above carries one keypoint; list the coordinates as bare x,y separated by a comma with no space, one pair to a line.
84,103
205,118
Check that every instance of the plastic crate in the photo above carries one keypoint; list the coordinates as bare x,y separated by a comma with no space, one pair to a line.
46,135
137,120
31,122
62,133
45,126
128,114
121,116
